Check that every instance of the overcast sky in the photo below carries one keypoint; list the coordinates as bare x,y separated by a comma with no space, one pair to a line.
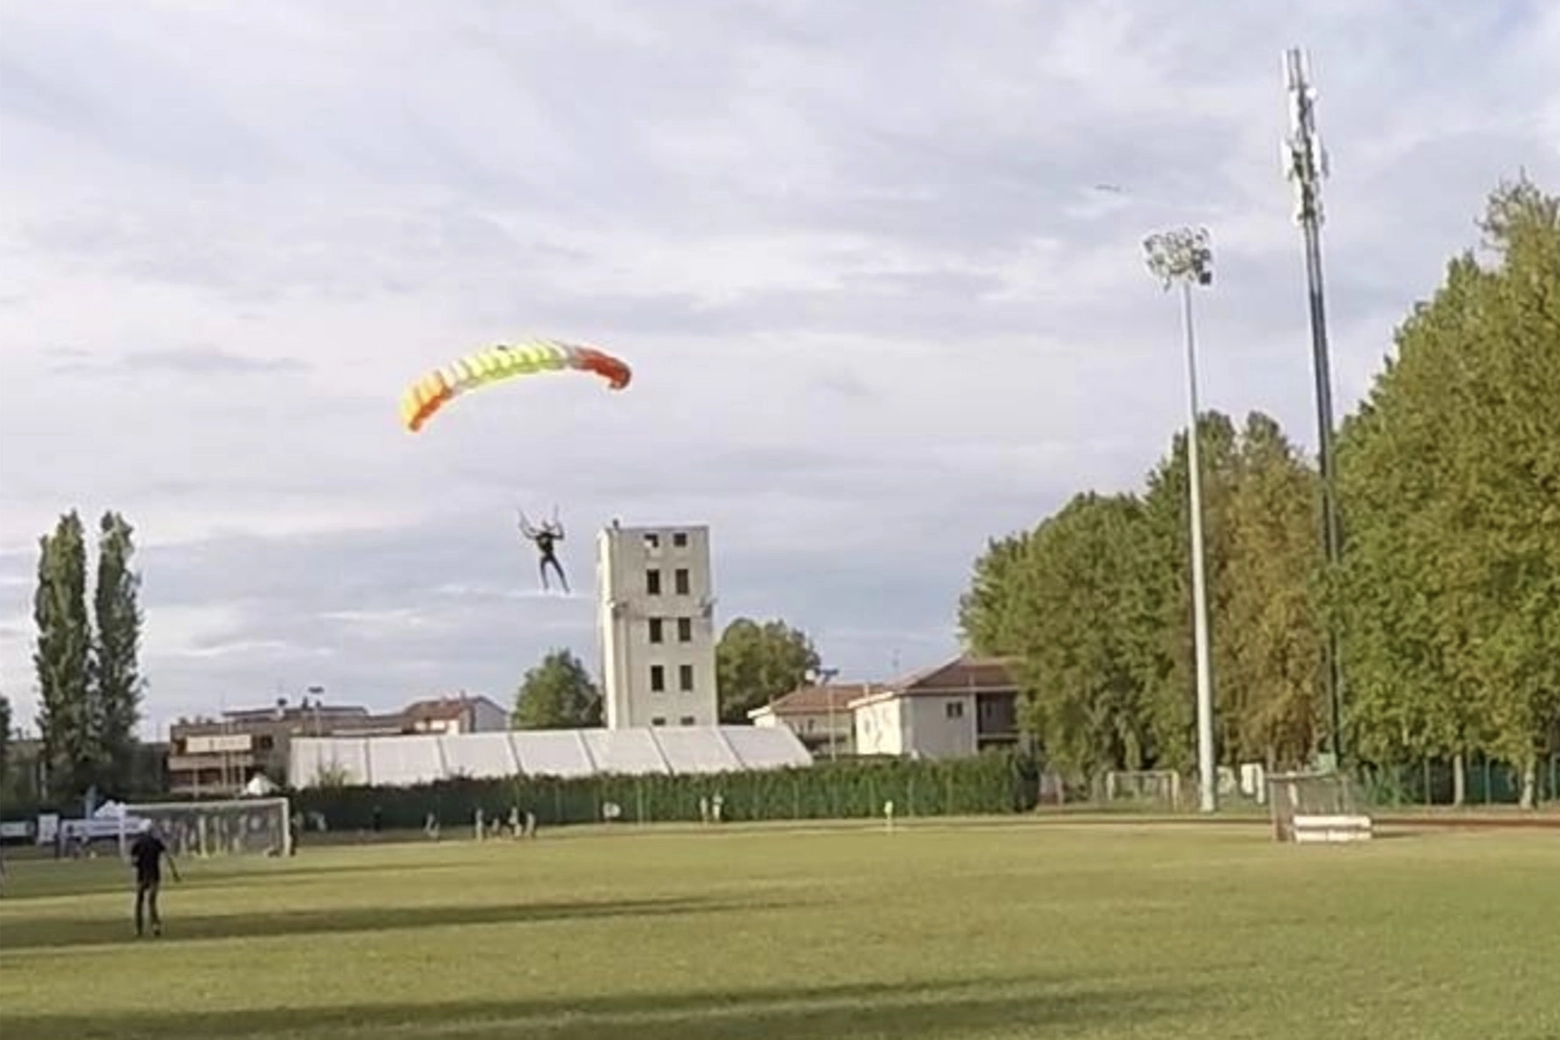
877,307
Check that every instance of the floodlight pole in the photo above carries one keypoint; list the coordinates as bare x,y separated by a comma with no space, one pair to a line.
1305,164
1184,256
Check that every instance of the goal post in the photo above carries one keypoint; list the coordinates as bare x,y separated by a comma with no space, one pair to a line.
1144,788
1315,807
243,826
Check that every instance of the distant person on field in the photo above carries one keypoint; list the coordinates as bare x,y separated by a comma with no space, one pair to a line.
147,853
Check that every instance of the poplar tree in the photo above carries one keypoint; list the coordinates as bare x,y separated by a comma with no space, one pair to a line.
68,721
117,681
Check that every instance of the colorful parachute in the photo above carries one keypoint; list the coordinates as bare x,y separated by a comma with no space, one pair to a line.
497,364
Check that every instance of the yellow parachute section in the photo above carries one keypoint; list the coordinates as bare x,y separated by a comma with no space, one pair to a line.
500,363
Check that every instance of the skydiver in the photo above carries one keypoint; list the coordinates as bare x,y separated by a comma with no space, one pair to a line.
545,538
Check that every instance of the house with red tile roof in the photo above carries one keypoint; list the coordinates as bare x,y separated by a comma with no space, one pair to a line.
961,707
458,713
819,715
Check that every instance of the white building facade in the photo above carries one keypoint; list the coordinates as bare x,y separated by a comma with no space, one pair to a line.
656,619
955,709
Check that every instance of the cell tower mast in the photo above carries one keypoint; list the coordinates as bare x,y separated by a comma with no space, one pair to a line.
1305,165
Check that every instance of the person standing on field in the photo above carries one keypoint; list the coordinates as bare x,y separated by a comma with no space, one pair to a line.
147,853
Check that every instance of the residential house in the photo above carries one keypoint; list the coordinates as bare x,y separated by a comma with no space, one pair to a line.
962,707
218,757
461,713
820,716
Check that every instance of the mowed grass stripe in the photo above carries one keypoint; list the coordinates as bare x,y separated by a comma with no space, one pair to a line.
1095,931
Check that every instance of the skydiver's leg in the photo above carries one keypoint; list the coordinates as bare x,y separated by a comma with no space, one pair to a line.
557,569
541,568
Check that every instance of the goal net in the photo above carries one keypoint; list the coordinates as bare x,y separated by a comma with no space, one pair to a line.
1145,789
248,826
1302,796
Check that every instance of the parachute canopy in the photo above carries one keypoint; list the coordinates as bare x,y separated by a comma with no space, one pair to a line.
500,363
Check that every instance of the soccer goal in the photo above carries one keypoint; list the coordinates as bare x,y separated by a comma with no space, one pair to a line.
1146,788
1316,807
246,826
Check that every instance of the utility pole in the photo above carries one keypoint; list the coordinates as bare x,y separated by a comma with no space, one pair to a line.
1305,165
1184,255
821,677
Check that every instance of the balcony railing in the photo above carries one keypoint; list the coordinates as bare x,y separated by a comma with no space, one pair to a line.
215,760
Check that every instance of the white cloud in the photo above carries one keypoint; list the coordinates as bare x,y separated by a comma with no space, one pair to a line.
877,307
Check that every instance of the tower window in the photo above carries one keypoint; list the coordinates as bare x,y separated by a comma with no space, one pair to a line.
653,582
652,541
685,630
680,577
657,678
655,630
680,539
685,678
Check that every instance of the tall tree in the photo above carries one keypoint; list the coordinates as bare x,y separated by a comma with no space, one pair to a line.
68,720
1271,610
1453,570
1098,602
116,671
5,740
1083,627
990,612
1167,667
757,662
558,693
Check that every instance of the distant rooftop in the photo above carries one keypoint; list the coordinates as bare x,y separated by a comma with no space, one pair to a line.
814,700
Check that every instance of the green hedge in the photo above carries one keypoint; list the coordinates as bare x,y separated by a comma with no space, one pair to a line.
990,783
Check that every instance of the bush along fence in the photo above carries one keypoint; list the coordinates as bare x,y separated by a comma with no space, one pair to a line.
982,785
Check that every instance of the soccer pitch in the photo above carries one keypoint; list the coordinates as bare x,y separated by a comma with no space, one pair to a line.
936,930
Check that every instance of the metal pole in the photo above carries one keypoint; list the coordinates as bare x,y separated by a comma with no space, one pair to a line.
1209,798
822,677
1182,256
1306,164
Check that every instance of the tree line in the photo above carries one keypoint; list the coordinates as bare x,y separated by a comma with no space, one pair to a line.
86,658
1446,599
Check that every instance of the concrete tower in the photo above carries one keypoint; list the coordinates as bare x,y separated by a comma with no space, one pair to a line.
656,614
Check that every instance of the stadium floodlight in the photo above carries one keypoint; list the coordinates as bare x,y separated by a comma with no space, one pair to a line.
240,826
1184,256
1305,164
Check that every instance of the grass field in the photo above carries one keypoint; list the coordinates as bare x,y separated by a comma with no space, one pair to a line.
936,931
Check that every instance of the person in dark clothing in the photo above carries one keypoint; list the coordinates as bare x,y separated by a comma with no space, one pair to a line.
546,538
147,853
